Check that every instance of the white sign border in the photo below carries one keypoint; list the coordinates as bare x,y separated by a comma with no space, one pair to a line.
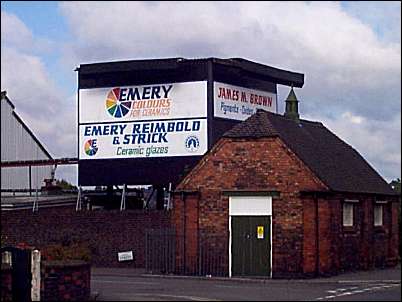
214,101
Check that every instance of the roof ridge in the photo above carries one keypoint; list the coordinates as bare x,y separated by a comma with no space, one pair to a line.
6,98
312,122
256,125
335,162
283,117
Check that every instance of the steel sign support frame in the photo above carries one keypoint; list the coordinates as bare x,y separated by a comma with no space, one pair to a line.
123,198
78,206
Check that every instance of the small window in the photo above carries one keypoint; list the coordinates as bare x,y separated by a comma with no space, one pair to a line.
378,215
348,214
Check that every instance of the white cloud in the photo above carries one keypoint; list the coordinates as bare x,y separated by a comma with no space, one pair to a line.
14,32
38,100
354,119
383,16
25,77
345,62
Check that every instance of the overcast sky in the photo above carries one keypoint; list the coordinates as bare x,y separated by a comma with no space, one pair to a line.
349,52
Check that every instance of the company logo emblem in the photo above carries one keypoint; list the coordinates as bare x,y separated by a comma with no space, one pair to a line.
91,147
115,106
192,143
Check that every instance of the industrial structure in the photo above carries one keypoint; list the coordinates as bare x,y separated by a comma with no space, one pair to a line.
148,122
18,143
124,107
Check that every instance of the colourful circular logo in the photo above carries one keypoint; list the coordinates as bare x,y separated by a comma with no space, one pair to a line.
91,147
192,143
114,106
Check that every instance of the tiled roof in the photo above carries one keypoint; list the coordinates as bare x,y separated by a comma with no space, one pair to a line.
257,125
335,162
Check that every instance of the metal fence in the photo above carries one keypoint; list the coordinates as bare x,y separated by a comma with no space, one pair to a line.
169,253
160,250
212,256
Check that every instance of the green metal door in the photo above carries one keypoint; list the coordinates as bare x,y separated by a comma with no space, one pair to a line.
251,245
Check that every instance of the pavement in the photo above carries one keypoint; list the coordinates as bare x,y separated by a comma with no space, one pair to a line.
386,275
124,284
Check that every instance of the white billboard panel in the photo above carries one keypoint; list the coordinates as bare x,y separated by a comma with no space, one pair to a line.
238,103
145,102
146,139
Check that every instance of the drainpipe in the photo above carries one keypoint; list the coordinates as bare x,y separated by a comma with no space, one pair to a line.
30,180
317,237
199,251
183,198
210,101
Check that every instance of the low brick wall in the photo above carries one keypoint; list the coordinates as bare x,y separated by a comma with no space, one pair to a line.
106,232
6,282
65,281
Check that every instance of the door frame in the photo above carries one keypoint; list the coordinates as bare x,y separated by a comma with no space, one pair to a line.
256,206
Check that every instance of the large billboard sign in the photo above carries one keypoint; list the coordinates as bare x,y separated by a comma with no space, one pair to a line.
144,139
239,103
143,121
147,102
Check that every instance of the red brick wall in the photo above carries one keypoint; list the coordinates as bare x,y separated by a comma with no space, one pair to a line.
106,232
362,246
69,281
185,216
324,234
265,164
366,246
6,283
321,249
309,236
393,253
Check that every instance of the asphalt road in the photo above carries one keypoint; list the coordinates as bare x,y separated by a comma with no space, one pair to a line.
363,287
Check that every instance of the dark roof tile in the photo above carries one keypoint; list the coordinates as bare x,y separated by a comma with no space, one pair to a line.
336,163
257,125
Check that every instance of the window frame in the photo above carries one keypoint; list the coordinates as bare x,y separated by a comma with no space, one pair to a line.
352,203
379,204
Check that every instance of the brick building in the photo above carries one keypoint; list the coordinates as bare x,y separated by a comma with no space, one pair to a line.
271,195
284,197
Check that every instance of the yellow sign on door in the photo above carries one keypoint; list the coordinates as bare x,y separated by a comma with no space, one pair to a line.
260,232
